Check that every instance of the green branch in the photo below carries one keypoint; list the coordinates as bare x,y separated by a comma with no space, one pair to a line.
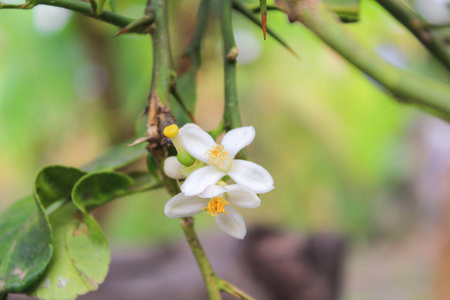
409,87
85,9
231,114
421,30
193,49
163,70
209,276
10,6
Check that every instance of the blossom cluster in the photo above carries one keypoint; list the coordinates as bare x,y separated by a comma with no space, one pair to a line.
213,179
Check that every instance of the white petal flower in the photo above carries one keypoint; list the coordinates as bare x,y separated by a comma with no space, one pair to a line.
198,180
172,168
220,158
216,200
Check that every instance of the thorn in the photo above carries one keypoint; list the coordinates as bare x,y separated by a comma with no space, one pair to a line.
264,23
122,31
26,5
145,20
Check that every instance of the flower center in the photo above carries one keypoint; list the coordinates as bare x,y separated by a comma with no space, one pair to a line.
216,206
217,155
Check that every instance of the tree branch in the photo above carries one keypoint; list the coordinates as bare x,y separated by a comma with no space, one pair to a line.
159,117
421,30
231,114
426,93
209,276
85,9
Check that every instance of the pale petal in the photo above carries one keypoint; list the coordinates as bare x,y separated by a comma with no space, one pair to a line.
242,196
212,191
200,179
232,223
196,141
172,168
251,175
181,206
235,140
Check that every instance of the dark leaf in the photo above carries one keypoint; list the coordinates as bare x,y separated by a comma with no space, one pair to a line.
25,248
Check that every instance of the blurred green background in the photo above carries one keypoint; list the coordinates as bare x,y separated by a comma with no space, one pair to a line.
345,157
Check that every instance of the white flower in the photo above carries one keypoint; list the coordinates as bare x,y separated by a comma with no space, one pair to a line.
216,200
220,158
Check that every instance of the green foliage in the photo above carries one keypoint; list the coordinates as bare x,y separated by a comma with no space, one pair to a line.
30,229
81,256
25,248
55,183
96,189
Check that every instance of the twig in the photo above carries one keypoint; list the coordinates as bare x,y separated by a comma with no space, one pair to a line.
209,276
426,93
193,49
421,30
83,8
231,114
257,9
162,82
233,290
179,99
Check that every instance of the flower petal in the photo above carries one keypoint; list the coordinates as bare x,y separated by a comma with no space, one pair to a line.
200,179
235,140
242,196
181,206
212,191
196,141
232,223
251,175
172,168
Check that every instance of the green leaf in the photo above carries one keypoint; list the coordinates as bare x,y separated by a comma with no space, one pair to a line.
95,189
25,248
55,183
81,256
347,10
116,157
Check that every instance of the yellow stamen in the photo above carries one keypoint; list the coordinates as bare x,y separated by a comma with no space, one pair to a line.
217,154
216,206
171,131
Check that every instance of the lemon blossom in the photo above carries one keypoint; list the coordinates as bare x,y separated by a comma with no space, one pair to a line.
216,200
220,159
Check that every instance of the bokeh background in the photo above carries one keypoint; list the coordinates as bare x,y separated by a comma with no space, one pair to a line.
345,157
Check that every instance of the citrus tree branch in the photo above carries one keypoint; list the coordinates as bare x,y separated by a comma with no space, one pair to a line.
231,114
85,9
159,116
417,26
408,87
209,276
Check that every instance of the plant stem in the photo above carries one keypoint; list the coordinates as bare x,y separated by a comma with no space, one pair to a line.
399,10
163,70
162,80
233,290
409,87
231,114
209,276
193,49
85,9
9,6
